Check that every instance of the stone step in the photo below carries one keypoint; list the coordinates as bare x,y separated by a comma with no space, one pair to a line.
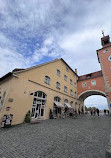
35,121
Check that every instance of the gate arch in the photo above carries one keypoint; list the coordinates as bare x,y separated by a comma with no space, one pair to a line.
88,93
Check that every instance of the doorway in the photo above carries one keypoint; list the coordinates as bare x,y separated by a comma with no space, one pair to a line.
39,104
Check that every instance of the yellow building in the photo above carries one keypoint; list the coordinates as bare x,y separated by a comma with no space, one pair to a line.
52,85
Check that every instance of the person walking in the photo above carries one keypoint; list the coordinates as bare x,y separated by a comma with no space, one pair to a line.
94,111
79,111
98,112
108,112
91,112
105,111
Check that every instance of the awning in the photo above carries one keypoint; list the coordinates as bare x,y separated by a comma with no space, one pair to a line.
58,104
68,106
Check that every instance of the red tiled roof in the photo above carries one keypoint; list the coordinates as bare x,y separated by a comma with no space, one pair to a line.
91,75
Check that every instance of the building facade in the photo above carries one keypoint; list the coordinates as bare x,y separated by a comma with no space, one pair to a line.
53,86
49,86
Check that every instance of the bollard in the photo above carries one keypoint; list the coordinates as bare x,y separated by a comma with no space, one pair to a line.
108,150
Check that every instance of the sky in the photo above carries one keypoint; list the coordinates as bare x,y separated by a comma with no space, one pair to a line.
36,31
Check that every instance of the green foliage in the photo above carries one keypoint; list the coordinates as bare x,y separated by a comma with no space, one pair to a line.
89,108
86,109
27,117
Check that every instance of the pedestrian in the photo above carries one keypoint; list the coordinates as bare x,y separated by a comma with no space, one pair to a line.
4,120
51,114
79,111
91,112
94,111
8,121
98,112
105,111
108,112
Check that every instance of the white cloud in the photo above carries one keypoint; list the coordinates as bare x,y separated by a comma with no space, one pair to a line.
9,60
96,101
34,29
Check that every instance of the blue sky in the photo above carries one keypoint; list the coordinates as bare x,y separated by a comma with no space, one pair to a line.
37,31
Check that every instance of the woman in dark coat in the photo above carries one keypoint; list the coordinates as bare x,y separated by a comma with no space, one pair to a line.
98,112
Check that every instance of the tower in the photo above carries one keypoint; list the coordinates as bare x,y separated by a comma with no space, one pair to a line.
104,58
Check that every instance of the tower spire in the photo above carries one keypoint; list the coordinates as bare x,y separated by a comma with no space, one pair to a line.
103,32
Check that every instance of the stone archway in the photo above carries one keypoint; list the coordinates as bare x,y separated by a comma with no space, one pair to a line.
88,93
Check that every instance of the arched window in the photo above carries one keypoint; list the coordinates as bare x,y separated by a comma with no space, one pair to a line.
70,81
71,92
57,85
47,80
65,77
75,85
38,106
84,84
39,94
75,94
57,99
3,98
93,82
65,89
58,73
65,101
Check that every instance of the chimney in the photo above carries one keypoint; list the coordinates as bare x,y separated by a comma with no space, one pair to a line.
76,71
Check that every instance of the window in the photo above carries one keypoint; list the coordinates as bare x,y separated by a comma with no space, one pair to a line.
39,94
109,58
93,83
75,94
75,85
57,85
3,98
84,84
65,77
57,99
39,103
47,80
107,50
71,92
67,69
65,89
58,72
88,76
70,81
65,101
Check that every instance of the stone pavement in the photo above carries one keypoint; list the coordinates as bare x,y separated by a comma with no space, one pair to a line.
85,137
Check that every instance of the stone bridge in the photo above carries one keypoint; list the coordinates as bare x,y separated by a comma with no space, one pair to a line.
91,84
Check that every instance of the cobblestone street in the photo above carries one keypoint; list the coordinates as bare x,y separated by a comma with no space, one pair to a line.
85,137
